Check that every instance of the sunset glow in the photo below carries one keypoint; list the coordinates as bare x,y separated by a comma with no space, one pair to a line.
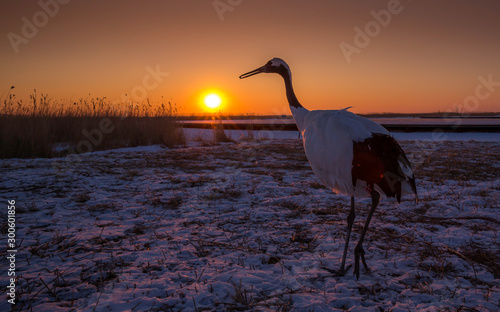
377,56
230,155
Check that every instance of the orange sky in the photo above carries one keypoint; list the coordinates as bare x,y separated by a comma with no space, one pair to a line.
427,58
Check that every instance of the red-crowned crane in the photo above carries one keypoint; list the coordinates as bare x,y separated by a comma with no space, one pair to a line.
349,154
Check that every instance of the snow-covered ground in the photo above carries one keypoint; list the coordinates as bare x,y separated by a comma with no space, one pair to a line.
247,226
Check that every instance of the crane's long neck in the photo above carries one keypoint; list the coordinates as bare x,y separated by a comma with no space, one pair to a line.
290,94
297,109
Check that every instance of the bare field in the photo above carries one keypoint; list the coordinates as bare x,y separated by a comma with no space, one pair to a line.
247,226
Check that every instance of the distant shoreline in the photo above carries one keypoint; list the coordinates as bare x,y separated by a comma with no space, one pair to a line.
437,115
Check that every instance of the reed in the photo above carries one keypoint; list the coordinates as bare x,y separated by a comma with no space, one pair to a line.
43,127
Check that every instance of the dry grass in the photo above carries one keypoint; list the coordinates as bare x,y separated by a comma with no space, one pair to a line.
34,129
454,161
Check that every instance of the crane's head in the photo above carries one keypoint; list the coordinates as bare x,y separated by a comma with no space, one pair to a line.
276,65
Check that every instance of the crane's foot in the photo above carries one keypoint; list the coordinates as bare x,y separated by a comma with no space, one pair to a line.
359,252
338,273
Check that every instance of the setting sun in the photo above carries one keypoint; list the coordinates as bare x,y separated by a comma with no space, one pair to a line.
212,100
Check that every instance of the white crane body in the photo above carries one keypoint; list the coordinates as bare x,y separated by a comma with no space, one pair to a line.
349,154
328,138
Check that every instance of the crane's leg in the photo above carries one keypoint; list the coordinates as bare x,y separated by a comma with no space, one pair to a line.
350,221
359,251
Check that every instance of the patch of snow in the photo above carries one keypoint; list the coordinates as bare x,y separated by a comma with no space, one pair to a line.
246,226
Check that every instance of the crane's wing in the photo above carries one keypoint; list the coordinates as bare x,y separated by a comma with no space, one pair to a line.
381,162
352,155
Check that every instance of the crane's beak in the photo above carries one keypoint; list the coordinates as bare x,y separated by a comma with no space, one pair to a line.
254,72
